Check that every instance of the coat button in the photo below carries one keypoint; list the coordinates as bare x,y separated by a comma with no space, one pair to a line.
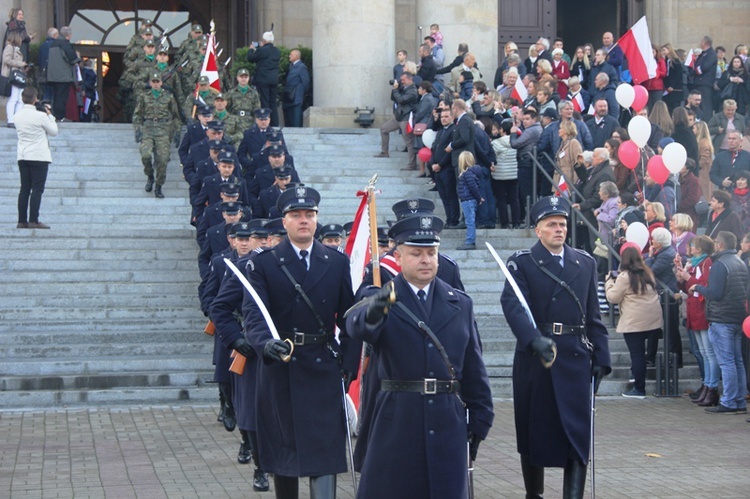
432,374
430,401
318,359
554,299
294,359
429,345
432,432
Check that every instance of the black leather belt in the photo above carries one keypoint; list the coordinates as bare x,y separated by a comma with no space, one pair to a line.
301,339
427,386
155,120
557,328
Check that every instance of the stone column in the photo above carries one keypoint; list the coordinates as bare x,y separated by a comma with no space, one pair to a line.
353,57
473,22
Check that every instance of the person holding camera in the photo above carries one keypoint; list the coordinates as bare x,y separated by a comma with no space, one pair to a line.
406,97
266,78
34,125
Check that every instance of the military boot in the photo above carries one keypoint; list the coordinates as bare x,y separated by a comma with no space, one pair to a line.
150,184
157,192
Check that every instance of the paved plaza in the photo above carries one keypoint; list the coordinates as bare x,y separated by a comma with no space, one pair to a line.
653,448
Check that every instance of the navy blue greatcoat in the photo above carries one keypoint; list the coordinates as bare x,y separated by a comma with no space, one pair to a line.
225,311
301,425
213,286
417,443
552,406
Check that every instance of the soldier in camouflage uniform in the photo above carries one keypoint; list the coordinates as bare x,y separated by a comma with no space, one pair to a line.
243,100
205,93
135,48
155,121
232,131
170,77
188,45
135,79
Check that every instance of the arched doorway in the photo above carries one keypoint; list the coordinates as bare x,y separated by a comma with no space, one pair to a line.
102,30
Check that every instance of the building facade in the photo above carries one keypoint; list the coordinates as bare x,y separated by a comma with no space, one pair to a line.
354,42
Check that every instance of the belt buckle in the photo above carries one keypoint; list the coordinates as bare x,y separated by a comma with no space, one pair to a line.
557,328
241,113
430,386
299,338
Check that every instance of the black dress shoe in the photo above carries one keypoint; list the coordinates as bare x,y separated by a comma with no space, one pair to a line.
260,480
220,417
150,184
460,225
22,225
467,247
244,456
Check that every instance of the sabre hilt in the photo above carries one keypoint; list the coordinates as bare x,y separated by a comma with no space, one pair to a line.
385,297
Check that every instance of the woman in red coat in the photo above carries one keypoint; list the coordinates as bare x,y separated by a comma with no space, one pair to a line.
561,71
655,86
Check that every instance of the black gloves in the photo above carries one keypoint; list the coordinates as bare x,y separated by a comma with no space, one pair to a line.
274,349
348,377
379,305
474,441
545,348
598,373
242,347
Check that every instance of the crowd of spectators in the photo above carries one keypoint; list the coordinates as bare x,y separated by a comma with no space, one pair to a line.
558,113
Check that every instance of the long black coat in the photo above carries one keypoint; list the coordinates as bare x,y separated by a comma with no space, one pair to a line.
218,274
418,442
301,426
266,59
227,303
462,139
552,410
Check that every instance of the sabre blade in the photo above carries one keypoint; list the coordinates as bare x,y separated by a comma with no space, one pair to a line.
513,283
256,298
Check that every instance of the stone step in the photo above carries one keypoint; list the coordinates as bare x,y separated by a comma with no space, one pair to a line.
186,264
138,329
112,351
103,301
76,311
102,278
165,362
104,381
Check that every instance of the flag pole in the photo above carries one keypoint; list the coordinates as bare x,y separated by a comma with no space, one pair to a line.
371,208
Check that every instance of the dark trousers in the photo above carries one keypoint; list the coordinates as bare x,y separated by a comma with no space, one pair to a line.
33,178
506,196
293,116
672,328
707,100
445,181
60,94
487,211
636,343
268,99
525,188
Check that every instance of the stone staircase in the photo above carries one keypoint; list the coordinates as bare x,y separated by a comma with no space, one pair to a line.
102,308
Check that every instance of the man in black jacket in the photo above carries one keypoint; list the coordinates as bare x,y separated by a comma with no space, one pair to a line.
704,74
427,68
266,79
62,59
445,174
405,95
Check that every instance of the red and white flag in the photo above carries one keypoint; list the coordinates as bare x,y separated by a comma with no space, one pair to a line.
690,58
410,123
358,243
210,67
577,101
519,92
562,187
636,45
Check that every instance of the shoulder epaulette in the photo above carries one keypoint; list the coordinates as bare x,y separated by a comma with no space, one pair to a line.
260,250
522,252
449,259
584,253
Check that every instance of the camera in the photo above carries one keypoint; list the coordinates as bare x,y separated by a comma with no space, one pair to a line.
44,106
391,82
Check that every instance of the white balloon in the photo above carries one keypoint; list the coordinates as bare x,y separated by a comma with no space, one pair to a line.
639,129
625,95
428,137
637,233
674,157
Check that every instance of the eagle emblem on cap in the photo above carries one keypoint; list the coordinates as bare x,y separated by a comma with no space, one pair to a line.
425,222
264,222
413,204
554,201
244,226
301,192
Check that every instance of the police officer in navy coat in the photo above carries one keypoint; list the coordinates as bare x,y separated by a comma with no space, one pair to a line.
216,239
214,214
418,436
273,138
301,424
268,197
195,133
225,311
210,191
253,140
552,404
265,176
200,150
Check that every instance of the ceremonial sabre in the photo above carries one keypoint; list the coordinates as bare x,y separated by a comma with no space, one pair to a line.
514,285
349,437
593,414
262,307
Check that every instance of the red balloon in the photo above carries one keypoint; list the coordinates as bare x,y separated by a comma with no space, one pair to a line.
746,327
424,154
641,97
629,154
657,170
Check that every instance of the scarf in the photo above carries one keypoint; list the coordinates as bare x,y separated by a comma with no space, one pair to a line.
741,192
151,57
156,93
162,66
696,260
243,90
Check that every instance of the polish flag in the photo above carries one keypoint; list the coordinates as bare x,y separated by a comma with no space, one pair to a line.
562,187
636,45
410,123
519,92
577,101
690,59
210,68
358,243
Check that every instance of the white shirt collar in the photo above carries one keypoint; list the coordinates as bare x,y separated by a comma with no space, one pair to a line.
415,289
297,250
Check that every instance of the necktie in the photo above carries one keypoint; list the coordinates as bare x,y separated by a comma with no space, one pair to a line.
303,258
422,297
560,260
734,157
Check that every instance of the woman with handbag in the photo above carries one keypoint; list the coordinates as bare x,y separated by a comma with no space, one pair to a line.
735,83
12,61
